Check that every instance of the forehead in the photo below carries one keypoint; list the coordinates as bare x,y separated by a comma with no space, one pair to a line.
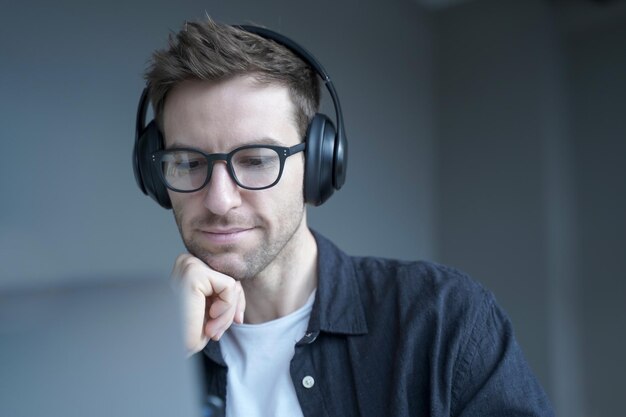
220,115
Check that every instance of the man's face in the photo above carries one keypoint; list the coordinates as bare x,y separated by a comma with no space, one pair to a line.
236,231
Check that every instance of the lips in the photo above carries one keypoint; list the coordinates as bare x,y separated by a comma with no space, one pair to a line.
227,230
228,235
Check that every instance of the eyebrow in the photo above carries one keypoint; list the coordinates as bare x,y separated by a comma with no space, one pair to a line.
259,141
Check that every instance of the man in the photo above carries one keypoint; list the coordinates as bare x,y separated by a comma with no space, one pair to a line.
287,324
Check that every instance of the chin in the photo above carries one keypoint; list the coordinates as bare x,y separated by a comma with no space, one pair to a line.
233,269
232,264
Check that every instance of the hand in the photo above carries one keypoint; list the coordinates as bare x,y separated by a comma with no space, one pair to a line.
212,301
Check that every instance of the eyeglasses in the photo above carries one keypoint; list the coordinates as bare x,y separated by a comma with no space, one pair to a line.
253,167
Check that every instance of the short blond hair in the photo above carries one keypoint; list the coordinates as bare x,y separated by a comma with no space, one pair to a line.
212,51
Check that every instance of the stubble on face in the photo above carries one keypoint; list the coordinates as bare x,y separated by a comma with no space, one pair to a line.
232,260
218,116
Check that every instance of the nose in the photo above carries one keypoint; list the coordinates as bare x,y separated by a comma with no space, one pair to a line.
221,193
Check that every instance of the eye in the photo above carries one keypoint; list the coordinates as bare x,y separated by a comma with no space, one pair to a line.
189,165
256,162
255,159
183,163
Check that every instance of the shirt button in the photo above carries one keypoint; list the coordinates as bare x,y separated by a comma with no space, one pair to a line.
308,381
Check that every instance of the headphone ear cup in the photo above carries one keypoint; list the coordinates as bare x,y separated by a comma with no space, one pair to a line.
340,161
149,179
319,161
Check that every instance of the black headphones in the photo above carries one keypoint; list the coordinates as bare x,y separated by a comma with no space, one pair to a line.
326,153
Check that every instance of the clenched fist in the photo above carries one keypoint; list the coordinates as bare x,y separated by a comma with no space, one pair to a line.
212,301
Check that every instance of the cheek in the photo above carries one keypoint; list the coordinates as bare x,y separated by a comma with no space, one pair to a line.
293,173
177,203
291,190
288,189
183,207
277,202
177,210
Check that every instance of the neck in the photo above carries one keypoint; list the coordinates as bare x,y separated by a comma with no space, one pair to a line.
286,284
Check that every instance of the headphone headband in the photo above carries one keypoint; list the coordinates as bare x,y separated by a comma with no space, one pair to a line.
307,57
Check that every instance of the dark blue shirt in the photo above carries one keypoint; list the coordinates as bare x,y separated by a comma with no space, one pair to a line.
391,338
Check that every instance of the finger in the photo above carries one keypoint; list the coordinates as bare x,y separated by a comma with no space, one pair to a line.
199,277
177,268
196,347
225,300
194,306
218,333
215,327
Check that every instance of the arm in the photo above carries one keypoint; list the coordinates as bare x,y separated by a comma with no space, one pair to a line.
492,377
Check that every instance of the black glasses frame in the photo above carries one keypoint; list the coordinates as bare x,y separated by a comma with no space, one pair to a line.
283,154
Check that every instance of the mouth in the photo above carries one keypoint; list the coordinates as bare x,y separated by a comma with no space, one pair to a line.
228,235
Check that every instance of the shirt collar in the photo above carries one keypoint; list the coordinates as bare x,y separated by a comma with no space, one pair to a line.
338,307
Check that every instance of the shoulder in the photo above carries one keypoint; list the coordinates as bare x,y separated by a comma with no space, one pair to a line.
437,308
435,321
434,295
418,281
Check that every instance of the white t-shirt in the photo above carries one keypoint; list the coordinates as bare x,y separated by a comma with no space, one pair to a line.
258,357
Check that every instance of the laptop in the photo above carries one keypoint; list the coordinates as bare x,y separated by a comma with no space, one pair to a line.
96,347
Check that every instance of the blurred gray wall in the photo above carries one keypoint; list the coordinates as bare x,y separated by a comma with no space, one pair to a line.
500,146
530,144
487,134
596,56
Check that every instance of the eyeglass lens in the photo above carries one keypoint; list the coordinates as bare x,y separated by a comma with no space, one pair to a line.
187,170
